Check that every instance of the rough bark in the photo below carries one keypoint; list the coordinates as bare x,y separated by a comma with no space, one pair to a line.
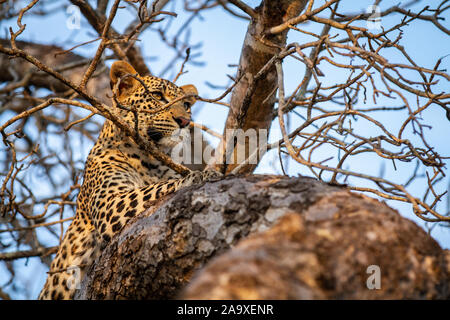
268,237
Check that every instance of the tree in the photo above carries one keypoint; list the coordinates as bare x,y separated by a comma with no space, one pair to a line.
55,96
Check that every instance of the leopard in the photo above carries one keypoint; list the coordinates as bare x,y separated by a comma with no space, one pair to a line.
121,178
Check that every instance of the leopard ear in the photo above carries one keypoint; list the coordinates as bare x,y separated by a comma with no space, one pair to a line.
190,89
127,84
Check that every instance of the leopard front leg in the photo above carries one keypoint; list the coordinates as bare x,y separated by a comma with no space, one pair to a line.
118,208
114,211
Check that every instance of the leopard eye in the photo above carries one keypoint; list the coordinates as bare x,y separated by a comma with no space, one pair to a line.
157,95
187,105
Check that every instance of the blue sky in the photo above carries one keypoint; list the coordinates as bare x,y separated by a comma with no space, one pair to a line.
221,37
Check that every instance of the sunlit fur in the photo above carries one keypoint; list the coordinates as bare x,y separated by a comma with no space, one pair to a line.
119,177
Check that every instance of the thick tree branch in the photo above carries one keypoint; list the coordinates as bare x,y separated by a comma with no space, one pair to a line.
331,251
268,237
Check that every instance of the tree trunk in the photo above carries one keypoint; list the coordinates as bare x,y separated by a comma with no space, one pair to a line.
253,98
269,237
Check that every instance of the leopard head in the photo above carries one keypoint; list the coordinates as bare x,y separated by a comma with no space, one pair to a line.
141,101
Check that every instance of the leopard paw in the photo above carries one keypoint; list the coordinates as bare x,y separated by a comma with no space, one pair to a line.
211,175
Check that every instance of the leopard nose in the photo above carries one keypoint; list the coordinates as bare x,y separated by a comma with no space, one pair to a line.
182,122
